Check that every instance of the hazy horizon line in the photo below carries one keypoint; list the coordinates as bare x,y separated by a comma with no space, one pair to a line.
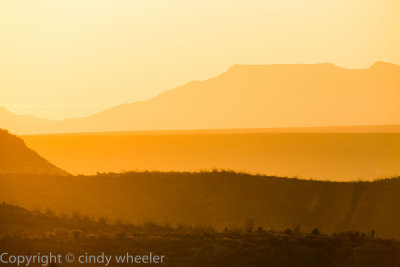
356,129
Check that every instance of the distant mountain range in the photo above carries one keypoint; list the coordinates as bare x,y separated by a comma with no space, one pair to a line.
249,96
17,158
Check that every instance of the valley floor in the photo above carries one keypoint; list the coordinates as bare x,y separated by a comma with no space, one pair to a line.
218,249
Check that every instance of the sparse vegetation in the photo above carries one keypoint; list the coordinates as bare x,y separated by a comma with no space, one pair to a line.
219,198
27,232
217,218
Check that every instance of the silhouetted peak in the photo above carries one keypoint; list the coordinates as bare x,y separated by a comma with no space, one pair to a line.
17,158
383,64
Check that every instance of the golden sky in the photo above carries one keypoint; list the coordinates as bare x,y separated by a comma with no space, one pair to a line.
68,58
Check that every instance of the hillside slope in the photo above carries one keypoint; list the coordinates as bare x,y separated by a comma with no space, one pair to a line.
16,157
262,96
215,198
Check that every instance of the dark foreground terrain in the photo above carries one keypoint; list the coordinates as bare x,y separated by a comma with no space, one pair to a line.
217,218
24,232
219,198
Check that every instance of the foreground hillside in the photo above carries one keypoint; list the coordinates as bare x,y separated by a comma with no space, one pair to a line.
335,153
215,198
248,96
23,232
16,157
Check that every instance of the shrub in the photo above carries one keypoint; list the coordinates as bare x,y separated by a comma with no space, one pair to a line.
315,231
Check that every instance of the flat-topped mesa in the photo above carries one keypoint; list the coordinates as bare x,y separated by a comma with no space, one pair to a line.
246,67
250,96
319,66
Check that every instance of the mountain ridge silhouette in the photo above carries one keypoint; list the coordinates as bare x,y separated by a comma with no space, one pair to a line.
251,96
17,158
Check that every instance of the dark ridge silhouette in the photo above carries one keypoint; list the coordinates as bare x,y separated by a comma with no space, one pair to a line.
17,158
218,198
251,96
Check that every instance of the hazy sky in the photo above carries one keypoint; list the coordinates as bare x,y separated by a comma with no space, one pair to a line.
68,58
